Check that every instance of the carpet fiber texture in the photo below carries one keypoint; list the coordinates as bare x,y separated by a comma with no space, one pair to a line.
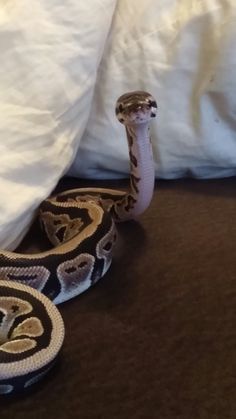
156,337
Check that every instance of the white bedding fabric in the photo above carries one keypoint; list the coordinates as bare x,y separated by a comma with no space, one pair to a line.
63,65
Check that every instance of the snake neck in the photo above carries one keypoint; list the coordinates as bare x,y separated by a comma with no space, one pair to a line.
142,174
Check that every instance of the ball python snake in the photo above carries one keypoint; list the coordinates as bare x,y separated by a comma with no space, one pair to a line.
80,224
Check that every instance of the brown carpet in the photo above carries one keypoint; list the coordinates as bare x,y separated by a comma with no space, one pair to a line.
156,337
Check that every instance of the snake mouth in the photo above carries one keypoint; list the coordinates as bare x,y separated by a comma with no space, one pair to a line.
142,114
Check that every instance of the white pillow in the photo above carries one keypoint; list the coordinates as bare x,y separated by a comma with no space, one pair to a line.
183,52
53,55
50,51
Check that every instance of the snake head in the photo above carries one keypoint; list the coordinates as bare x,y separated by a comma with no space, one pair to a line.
136,108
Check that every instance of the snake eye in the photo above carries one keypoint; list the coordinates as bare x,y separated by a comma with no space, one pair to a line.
152,103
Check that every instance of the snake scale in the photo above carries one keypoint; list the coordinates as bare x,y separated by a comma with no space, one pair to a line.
80,224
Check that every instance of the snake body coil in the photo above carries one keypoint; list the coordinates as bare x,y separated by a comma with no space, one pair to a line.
31,335
80,224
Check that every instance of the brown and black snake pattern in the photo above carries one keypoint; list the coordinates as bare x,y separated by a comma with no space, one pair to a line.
80,224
